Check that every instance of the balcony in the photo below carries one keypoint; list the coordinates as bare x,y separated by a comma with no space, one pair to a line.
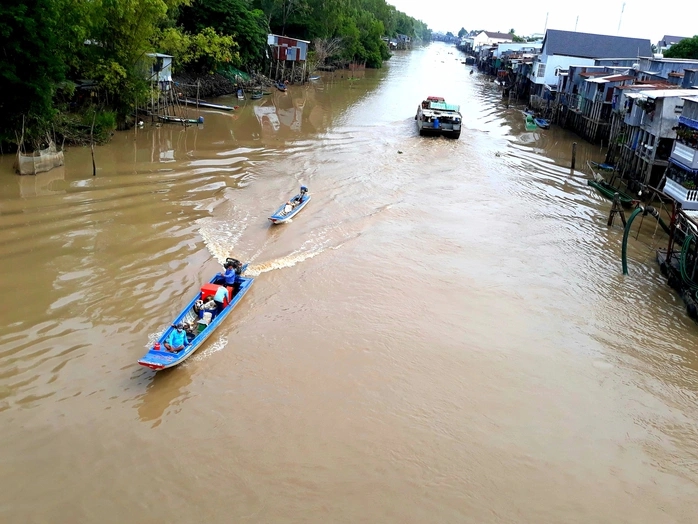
685,155
687,197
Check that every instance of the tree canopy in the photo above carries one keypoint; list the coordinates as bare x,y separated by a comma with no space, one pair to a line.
47,46
686,48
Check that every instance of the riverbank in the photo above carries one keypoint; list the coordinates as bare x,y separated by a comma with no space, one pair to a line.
216,84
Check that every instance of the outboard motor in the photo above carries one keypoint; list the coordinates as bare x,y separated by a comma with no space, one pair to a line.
304,190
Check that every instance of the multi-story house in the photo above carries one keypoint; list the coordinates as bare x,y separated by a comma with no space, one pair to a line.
682,172
562,49
651,118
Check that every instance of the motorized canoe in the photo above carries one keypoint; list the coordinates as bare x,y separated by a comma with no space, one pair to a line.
207,105
180,120
542,123
281,86
158,359
606,189
298,202
256,95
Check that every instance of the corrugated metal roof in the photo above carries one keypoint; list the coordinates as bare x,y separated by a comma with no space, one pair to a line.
587,45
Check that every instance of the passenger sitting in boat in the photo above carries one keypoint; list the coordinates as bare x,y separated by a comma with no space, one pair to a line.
227,278
190,332
177,339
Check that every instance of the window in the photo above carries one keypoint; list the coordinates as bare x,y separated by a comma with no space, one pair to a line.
541,70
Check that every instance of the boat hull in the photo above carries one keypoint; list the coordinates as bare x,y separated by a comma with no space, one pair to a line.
609,192
279,217
206,105
162,359
542,123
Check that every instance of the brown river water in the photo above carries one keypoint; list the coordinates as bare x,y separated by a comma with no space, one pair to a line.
444,334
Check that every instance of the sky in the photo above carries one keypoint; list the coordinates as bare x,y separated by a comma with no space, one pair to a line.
640,19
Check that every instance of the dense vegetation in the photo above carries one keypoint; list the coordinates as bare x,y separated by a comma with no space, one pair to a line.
686,48
51,47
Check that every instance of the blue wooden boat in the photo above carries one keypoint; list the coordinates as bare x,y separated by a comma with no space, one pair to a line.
281,86
542,123
158,359
298,202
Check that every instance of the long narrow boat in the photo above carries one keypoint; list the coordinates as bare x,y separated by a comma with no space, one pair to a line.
607,190
542,123
207,105
180,120
298,202
158,359
281,86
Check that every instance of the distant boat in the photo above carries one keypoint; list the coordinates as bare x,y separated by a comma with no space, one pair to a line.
281,86
241,94
542,123
203,103
314,78
530,123
288,211
256,95
180,120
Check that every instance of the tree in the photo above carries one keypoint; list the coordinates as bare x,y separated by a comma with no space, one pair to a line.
31,65
686,48
230,18
462,32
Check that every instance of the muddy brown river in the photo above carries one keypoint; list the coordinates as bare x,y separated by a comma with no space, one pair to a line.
444,334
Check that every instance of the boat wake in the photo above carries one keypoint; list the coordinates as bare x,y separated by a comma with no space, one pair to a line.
213,347
221,236
280,263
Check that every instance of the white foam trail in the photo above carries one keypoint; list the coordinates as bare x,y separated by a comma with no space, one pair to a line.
220,237
213,347
281,263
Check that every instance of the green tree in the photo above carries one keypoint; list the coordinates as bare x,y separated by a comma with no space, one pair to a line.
248,27
686,48
462,32
31,65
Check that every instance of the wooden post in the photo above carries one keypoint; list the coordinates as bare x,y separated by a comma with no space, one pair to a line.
616,208
92,144
574,156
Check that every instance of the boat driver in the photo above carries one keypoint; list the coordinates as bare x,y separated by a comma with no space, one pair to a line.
227,278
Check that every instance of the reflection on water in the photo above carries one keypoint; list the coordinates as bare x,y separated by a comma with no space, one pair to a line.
163,390
446,317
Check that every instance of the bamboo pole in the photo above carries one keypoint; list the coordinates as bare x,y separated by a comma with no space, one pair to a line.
92,144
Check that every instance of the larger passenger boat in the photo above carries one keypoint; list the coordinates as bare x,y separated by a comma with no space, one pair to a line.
435,116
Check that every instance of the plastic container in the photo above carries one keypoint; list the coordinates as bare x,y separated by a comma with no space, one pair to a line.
157,346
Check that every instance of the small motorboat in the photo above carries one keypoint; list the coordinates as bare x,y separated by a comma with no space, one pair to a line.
180,120
241,94
314,78
291,208
281,86
158,357
606,189
530,123
542,123
256,95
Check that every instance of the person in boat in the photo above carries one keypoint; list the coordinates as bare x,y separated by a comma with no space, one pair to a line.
190,332
219,298
177,339
229,277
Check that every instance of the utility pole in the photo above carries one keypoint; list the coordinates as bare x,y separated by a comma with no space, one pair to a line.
575,24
